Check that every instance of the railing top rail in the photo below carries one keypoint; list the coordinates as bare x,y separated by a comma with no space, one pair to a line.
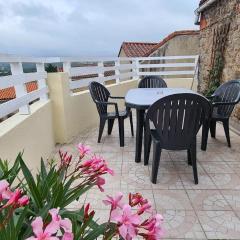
16,59
105,59
167,58
13,59
93,59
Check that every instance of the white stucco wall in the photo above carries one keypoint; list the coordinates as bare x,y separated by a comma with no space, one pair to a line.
32,134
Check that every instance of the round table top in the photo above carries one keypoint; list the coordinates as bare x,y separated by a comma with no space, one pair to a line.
143,98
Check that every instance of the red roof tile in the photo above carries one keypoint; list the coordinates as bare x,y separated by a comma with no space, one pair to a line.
136,49
169,37
9,93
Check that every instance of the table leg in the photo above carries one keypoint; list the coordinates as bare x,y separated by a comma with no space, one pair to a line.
139,135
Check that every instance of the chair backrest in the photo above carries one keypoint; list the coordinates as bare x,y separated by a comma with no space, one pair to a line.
227,92
99,94
177,119
152,82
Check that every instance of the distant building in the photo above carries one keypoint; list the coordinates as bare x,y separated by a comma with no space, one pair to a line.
178,43
135,49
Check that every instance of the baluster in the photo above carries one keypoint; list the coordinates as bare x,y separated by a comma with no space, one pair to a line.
101,72
20,89
42,82
117,71
136,69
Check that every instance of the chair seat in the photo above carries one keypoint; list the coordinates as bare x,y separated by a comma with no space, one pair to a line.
217,116
123,114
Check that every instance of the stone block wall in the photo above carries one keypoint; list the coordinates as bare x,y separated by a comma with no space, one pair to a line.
214,17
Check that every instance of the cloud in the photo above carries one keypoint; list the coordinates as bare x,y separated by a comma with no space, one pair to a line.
88,28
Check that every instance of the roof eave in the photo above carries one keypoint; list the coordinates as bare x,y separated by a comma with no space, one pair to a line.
201,8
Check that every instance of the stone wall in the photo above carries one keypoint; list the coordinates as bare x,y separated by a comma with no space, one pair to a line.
214,17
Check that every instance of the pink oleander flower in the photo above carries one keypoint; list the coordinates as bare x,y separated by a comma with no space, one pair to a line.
136,199
88,214
43,234
51,230
127,222
83,150
65,159
96,165
100,182
144,208
114,201
3,188
15,198
23,201
3,185
153,227
59,222
67,236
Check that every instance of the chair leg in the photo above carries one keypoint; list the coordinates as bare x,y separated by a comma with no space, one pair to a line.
110,126
101,127
194,161
226,130
131,123
147,146
121,131
213,129
156,160
189,157
205,130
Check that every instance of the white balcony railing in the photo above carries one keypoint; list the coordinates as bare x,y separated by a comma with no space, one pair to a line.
17,83
120,69
84,70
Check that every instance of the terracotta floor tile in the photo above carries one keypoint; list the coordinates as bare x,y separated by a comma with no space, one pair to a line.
205,182
172,199
216,167
220,224
208,200
233,198
226,180
182,224
168,181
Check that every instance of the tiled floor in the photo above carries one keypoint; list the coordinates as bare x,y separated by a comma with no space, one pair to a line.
209,210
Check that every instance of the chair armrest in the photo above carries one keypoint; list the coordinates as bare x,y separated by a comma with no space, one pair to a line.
210,97
215,104
113,97
110,103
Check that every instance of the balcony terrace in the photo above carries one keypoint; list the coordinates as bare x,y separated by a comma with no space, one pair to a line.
62,115
209,210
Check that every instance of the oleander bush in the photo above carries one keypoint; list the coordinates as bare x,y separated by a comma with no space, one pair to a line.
37,207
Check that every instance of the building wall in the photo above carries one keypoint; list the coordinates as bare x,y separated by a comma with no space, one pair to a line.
122,53
31,133
214,17
179,46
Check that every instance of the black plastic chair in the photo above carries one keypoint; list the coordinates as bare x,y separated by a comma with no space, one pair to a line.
223,102
152,82
100,96
176,120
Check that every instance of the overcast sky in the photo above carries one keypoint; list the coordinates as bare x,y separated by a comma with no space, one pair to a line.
88,27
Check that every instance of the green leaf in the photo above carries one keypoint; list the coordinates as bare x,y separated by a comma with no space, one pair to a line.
36,196
94,234
21,219
78,216
43,170
75,194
